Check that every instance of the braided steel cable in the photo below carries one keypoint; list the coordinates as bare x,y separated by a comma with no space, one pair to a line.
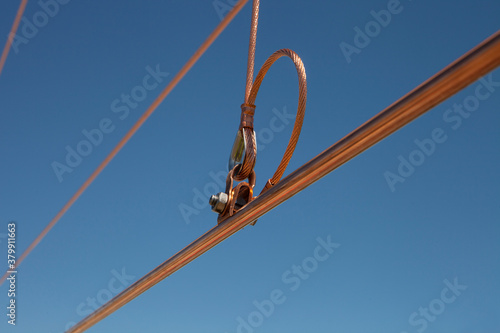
248,133
251,48
301,107
248,108
247,113
250,154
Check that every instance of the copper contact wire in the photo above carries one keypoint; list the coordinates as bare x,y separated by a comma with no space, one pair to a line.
470,67
301,107
13,30
178,77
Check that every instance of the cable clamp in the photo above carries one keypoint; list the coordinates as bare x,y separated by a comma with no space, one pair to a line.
232,200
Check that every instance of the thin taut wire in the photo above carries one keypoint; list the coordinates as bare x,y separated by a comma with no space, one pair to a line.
251,48
12,33
206,44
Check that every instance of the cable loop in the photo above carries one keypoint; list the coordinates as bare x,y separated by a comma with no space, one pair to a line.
247,114
244,152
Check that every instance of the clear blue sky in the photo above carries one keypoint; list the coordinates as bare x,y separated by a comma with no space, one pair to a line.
420,256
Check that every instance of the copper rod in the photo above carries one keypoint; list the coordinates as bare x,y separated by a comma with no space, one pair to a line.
470,67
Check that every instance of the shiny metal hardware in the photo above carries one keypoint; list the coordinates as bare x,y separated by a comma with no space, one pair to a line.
218,202
230,202
238,151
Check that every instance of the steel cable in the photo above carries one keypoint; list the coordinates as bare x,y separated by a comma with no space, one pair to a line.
251,47
249,136
251,91
301,107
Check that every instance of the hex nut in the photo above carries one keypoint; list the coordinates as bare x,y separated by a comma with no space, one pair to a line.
218,202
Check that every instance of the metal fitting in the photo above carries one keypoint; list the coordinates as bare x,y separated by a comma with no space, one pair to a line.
218,202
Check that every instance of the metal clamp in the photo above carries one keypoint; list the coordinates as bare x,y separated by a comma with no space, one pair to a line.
244,151
238,151
230,202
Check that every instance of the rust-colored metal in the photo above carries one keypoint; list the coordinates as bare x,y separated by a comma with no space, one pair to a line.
470,67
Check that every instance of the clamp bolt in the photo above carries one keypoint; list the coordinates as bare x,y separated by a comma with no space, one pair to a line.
218,202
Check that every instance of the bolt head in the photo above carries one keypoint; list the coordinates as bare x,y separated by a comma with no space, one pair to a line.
218,202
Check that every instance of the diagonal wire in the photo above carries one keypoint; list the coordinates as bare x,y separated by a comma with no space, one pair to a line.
12,33
203,47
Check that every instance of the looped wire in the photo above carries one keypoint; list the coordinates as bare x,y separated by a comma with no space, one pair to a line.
247,115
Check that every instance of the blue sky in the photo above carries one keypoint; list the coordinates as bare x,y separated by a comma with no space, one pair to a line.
416,256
